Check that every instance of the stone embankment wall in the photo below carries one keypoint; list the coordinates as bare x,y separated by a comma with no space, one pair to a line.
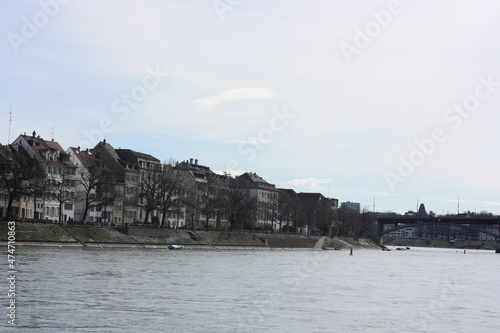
54,234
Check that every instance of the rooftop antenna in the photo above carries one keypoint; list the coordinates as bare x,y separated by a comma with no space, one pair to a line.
53,132
374,204
458,206
10,123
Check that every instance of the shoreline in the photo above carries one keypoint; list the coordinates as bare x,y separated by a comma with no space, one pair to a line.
53,235
21,244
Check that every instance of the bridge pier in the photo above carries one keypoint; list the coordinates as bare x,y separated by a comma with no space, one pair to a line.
380,228
498,247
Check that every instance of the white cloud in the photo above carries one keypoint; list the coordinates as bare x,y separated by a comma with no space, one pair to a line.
310,184
234,95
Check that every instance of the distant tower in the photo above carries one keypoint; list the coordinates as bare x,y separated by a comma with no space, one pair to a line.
421,210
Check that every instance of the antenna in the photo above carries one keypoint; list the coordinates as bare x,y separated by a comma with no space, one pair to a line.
458,206
10,122
53,132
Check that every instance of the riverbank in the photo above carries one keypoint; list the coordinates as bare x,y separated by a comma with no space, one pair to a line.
484,245
39,234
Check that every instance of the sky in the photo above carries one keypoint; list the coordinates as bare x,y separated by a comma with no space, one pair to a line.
386,103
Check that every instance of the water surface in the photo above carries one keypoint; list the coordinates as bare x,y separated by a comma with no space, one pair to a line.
129,290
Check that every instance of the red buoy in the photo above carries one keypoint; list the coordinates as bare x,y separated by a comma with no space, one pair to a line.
350,252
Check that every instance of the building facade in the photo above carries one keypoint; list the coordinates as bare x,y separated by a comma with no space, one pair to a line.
57,201
266,197
355,206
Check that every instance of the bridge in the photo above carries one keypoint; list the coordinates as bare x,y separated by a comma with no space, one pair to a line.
401,222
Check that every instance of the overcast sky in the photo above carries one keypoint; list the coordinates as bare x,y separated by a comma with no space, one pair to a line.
385,102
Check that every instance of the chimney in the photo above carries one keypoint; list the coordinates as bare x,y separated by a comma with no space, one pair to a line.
104,142
34,134
196,162
190,161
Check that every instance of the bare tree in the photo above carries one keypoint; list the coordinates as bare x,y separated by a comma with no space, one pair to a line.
97,188
345,220
61,185
240,207
288,210
208,205
213,199
309,214
366,224
272,210
19,174
171,192
148,197
326,216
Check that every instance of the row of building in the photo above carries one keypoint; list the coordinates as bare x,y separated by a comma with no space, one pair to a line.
110,186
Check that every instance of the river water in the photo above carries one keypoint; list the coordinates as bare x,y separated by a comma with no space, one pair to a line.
156,290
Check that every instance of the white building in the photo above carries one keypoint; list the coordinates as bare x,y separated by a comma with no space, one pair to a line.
409,232
351,205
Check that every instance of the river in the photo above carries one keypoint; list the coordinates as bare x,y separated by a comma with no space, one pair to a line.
152,290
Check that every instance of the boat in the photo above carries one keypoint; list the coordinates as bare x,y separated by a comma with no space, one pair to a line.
330,248
175,247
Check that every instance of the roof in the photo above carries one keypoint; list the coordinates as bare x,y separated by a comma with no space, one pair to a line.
104,152
311,196
85,157
291,193
132,156
200,172
254,180
41,146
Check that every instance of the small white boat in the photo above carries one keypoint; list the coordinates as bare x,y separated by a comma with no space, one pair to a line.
175,247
